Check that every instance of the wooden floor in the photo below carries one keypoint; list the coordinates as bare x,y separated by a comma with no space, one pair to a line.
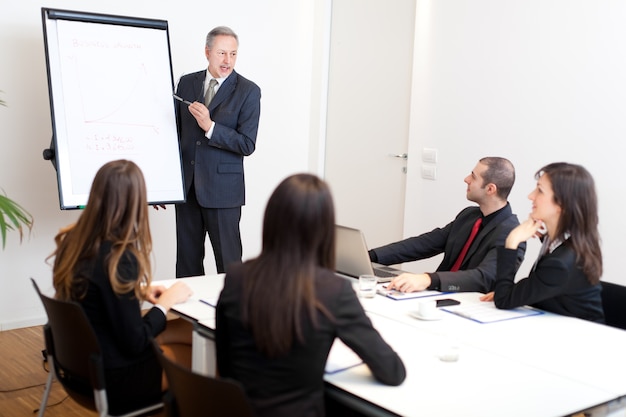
22,378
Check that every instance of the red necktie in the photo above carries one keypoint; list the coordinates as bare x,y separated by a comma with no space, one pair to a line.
470,239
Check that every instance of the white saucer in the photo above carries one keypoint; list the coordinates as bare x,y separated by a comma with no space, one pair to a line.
416,314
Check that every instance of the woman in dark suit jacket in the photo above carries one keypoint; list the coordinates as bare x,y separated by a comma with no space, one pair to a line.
279,314
565,278
103,262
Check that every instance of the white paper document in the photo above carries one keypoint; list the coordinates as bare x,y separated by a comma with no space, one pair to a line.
487,312
340,358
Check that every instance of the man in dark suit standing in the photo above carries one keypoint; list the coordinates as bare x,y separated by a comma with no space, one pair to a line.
469,264
216,131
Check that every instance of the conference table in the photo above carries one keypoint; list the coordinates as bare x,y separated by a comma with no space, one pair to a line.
529,364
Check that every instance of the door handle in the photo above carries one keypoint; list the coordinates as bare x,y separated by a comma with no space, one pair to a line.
399,155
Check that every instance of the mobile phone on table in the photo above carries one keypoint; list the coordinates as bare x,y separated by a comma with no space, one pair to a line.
447,302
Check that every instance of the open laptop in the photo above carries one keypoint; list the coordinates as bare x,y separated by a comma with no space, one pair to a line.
353,260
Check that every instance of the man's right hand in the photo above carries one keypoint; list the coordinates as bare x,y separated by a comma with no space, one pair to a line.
410,282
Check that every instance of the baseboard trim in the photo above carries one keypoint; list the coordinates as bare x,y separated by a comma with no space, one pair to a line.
18,324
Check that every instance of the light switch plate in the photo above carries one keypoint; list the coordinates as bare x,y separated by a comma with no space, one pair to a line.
429,155
429,172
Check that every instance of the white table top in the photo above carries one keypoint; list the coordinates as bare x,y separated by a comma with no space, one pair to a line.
543,365
583,351
480,383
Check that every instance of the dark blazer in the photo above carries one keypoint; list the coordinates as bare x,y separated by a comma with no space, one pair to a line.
555,284
293,385
478,270
216,165
124,334
132,372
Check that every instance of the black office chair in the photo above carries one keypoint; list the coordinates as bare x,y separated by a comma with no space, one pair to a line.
74,358
614,304
192,395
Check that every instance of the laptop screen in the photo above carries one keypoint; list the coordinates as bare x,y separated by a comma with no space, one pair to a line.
351,252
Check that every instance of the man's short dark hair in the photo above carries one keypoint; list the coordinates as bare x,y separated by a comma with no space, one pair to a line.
501,172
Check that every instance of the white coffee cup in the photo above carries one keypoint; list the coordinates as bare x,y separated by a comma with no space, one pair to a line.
367,286
427,308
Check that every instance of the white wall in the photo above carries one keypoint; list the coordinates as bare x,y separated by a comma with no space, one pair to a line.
536,81
283,48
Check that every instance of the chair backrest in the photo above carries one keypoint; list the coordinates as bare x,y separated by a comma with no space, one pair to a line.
72,343
614,304
75,357
199,395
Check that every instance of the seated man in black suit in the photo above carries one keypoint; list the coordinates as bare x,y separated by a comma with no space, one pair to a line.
462,269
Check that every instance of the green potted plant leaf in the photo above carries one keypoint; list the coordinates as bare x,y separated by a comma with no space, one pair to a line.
12,215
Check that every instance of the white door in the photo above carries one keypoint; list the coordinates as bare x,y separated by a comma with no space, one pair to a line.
369,94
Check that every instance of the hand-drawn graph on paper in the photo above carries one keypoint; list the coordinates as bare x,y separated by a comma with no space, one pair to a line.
111,87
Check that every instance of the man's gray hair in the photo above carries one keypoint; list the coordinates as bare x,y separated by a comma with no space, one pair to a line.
220,31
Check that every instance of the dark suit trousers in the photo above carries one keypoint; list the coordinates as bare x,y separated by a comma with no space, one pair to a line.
193,223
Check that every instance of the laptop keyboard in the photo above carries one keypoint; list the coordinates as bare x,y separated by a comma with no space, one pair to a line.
384,274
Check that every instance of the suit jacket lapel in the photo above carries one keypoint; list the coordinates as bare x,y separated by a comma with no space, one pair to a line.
198,86
225,90
479,237
486,230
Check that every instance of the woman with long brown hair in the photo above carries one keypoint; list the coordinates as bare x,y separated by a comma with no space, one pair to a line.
279,314
103,262
565,278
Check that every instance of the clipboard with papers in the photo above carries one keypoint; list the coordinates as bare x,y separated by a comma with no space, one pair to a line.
487,312
399,295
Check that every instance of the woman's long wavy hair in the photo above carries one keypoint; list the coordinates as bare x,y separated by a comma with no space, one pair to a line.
116,211
575,192
298,239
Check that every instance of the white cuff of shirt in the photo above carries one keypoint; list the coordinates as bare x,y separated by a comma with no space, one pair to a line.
209,132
